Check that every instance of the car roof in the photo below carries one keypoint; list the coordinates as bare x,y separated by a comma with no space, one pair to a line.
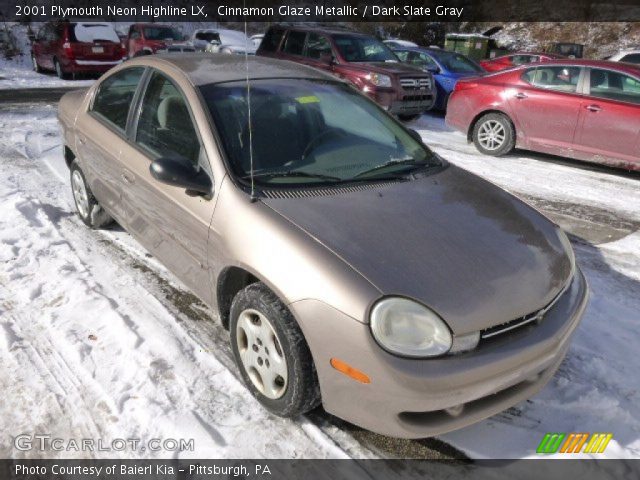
622,66
207,68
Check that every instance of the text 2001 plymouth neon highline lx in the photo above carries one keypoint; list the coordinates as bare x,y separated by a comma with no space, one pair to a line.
354,268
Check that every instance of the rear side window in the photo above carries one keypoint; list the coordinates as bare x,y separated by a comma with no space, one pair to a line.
614,86
271,40
115,95
294,44
165,127
317,46
631,58
522,59
560,78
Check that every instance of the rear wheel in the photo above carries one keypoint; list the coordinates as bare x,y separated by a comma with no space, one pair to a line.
271,353
88,208
59,69
493,134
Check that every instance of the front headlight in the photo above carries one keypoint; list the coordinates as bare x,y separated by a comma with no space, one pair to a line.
405,327
379,80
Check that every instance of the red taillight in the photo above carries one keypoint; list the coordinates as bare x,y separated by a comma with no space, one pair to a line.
465,86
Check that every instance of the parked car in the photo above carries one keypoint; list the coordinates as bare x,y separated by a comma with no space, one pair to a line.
394,43
363,60
630,56
446,67
516,59
257,39
69,48
148,38
222,40
586,110
331,241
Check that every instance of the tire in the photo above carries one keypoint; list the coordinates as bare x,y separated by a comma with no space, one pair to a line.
87,207
251,338
409,118
34,62
59,70
493,134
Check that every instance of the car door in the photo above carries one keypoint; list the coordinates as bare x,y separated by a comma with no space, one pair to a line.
546,104
293,46
610,117
101,134
171,223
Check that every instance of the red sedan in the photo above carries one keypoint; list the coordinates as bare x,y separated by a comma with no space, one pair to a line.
515,60
586,110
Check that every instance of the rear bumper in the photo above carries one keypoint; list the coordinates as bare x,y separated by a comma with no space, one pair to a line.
412,398
90,66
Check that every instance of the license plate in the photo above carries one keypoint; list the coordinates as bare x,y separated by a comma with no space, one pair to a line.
97,49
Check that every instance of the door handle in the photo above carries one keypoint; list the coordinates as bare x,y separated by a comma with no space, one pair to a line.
127,177
521,95
593,108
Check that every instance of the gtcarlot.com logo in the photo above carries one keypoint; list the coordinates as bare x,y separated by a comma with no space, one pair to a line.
574,443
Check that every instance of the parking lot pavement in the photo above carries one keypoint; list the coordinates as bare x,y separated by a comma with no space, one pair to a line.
596,388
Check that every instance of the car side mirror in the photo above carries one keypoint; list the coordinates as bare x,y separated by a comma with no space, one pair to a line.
180,172
432,69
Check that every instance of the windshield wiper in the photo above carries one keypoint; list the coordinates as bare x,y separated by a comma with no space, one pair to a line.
394,161
292,173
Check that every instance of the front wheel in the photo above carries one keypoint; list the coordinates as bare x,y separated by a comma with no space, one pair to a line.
493,134
271,353
88,208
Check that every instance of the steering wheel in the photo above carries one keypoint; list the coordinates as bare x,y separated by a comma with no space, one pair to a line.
320,138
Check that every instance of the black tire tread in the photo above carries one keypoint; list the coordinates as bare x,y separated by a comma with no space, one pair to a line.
305,393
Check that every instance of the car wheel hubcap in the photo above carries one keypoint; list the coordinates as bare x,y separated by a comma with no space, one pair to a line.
80,194
261,354
492,135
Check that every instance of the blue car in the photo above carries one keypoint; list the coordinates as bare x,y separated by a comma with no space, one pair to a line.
447,67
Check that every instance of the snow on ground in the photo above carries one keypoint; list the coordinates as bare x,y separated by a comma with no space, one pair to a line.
97,339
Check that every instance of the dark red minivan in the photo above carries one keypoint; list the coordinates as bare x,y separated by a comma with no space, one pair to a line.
583,109
69,48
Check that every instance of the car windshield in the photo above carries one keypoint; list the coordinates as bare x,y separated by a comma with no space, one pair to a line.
161,33
355,48
456,63
308,132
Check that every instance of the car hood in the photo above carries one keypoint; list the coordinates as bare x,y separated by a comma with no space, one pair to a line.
469,250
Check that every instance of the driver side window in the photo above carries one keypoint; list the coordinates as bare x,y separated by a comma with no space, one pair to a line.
165,127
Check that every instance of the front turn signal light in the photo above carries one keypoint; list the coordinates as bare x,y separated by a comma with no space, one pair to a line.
349,371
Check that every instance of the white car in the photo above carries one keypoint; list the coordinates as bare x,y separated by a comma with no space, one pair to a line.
397,43
629,56
221,40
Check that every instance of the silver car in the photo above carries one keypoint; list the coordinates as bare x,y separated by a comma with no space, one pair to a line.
354,267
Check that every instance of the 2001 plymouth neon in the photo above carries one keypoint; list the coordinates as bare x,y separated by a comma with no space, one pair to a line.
352,265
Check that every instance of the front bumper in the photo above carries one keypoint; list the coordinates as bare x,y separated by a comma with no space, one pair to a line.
414,398
404,103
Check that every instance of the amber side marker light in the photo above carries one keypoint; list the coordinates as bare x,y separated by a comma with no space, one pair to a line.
349,371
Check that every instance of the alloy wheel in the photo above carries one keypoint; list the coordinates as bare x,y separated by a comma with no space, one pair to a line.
492,135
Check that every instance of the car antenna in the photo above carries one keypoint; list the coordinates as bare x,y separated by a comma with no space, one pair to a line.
246,64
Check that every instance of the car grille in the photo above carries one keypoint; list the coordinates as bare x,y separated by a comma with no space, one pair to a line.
415,83
528,319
